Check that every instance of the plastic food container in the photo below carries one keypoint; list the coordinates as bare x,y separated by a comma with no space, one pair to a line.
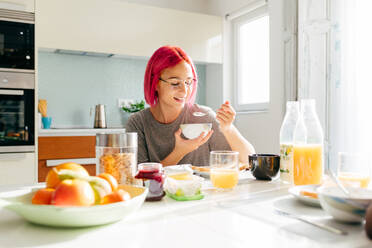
184,190
179,172
117,154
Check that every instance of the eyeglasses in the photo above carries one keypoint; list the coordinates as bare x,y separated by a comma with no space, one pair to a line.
177,83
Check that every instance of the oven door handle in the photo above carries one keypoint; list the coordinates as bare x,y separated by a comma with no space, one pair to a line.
12,92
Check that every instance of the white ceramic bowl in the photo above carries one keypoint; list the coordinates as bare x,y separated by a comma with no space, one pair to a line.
342,208
50,215
192,131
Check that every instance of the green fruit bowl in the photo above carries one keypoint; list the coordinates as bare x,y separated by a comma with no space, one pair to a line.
50,215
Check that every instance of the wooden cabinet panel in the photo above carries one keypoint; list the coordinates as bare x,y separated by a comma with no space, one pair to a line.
65,147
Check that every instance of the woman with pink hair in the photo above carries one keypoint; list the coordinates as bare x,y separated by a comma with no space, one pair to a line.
170,87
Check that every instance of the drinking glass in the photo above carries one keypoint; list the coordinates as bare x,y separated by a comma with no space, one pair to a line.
354,169
224,169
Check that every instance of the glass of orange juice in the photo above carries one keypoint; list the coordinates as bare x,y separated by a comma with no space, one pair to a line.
354,170
224,173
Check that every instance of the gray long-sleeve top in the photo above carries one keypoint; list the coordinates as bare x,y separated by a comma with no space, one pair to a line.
156,140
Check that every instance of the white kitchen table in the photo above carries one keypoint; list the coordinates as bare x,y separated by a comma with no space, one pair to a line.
244,217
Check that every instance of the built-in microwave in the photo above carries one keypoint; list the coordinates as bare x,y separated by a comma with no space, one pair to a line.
17,41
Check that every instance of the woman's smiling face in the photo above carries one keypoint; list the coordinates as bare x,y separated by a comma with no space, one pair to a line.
174,88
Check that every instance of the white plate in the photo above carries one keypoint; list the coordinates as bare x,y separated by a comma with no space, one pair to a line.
75,216
206,174
295,191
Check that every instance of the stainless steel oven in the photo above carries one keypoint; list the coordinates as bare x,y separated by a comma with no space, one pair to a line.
17,82
17,112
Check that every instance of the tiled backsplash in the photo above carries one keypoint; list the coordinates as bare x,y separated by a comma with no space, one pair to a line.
74,84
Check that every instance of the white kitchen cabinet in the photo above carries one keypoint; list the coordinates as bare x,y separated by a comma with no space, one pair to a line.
17,169
20,5
118,27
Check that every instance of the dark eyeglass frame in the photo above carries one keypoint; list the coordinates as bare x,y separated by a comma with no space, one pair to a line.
178,84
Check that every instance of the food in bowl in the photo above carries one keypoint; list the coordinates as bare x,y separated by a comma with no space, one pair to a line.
51,215
350,209
71,187
192,131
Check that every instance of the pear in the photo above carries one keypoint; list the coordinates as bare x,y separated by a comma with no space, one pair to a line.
100,187
70,174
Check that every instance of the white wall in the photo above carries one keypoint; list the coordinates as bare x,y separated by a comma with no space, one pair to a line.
214,85
223,7
261,129
199,6
210,7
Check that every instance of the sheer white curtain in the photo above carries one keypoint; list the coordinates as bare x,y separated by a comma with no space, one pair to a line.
352,105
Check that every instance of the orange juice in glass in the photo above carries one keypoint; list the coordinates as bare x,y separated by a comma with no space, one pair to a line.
224,178
224,173
307,164
354,179
354,169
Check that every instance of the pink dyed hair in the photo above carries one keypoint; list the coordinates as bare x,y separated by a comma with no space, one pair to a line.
165,57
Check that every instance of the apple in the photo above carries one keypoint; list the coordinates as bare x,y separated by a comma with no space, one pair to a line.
73,192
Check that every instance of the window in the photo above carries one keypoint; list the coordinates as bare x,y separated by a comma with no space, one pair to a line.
251,60
351,103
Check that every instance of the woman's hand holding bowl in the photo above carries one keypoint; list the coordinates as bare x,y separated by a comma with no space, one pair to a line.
185,146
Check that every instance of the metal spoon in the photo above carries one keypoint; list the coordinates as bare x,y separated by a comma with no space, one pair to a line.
198,114
320,225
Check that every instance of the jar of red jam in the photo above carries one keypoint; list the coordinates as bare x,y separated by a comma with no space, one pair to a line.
152,176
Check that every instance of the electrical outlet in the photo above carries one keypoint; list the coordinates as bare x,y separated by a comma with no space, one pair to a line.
124,102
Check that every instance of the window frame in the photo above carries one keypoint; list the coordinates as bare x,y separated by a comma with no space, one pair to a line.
235,24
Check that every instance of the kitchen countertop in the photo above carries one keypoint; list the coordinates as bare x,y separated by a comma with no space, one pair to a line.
239,218
77,131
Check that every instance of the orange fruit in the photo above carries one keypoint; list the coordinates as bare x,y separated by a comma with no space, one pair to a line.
52,179
43,196
116,196
110,179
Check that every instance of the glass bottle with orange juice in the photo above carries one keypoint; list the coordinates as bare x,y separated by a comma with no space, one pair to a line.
308,146
286,141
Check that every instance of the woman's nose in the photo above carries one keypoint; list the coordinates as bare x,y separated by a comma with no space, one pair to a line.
183,87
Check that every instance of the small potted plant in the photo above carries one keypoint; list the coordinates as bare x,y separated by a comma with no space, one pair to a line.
134,107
